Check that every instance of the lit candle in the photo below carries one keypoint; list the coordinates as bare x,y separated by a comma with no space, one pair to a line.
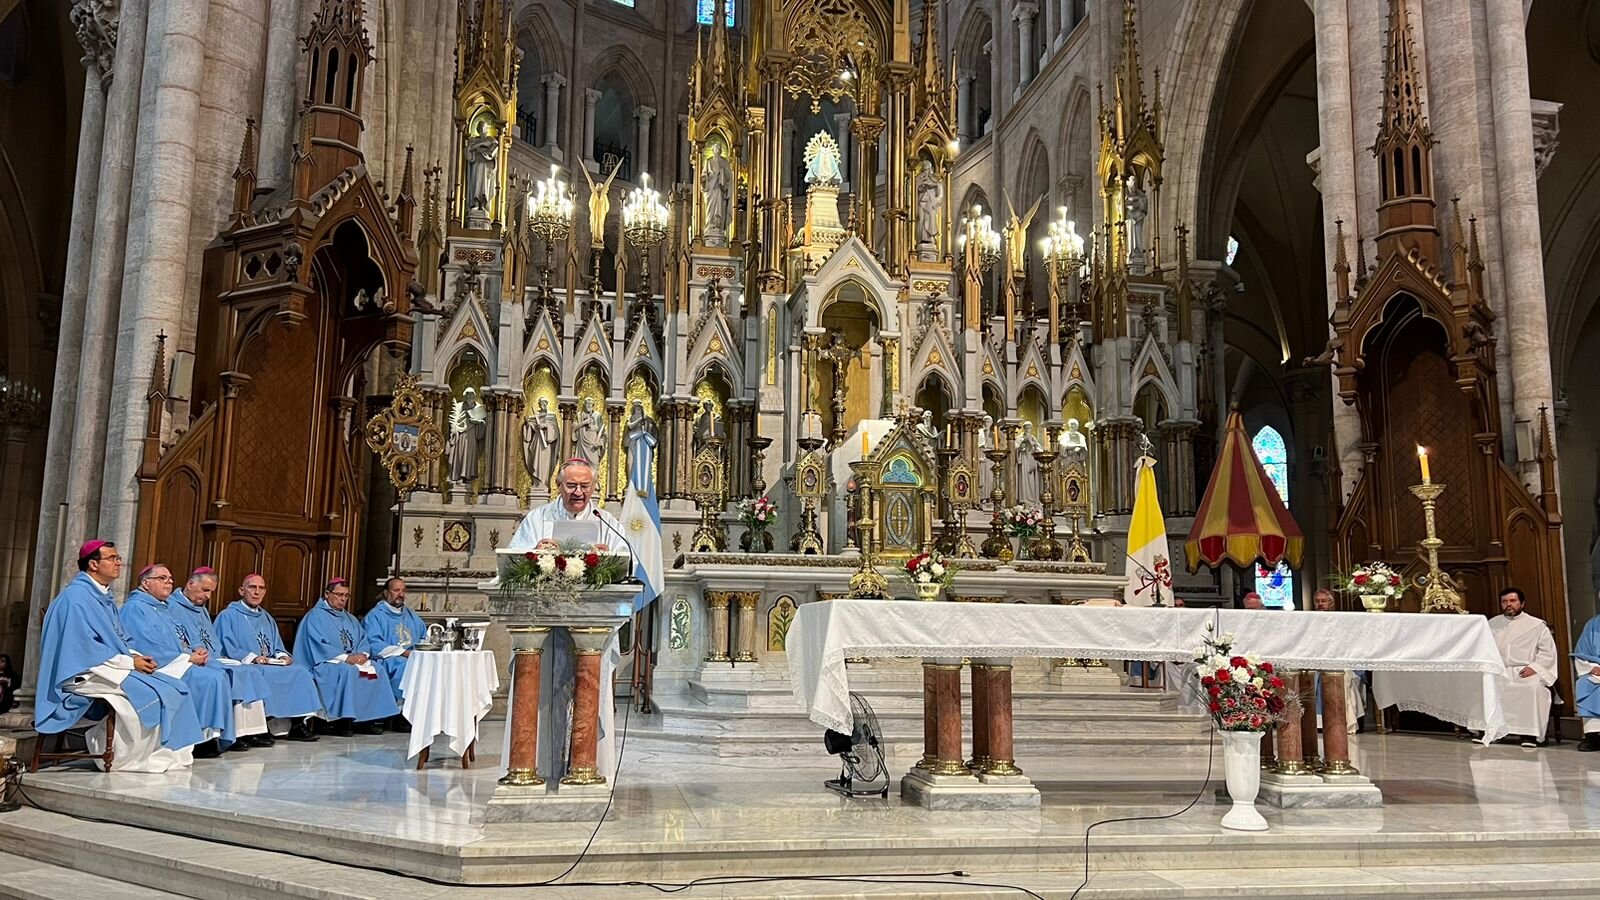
948,435
1422,454
994,437
865,445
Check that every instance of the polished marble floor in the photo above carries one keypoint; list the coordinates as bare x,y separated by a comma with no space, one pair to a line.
1433,786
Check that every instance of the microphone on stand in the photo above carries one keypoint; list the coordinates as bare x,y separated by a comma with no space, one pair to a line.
633,558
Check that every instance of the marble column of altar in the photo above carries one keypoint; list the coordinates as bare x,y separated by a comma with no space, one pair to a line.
1289,756
717,615
980,717
522,718
996,722
1308,721
581,770
747,626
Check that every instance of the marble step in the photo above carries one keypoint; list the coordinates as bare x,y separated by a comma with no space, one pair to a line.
22,878
59,857
1025,698
689,720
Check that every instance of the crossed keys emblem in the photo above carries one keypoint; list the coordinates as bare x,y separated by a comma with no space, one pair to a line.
404,437
1155,581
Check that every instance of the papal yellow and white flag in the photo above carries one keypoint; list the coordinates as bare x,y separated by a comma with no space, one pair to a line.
1149,569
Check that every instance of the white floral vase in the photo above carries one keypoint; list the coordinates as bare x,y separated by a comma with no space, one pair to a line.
1241,765
1374,602
929,591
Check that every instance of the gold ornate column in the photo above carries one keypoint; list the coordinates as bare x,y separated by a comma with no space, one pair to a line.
867,129
616,461
717,618
897,214
569,424
747,600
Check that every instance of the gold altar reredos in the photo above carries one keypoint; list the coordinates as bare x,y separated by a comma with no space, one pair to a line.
808,311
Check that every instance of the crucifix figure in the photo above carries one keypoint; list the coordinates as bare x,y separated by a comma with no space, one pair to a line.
838,354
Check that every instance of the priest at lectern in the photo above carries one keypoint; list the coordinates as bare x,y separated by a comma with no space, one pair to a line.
571,518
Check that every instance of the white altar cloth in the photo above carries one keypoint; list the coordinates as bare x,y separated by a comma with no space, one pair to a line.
1457,665
447,692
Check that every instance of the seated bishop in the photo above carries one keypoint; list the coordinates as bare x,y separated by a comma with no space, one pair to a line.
288,692
576,483
1586,683
1529,652
152,629
86,657
393,629
332,644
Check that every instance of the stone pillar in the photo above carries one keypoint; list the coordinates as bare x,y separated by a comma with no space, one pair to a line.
841,125
1331,19
280,88
981,756
965,114
581,768
1335,727
160,268
590,98
787,175
86,455
996,722
553,83
747,626
685,152
1064,23
717,612
641,145
930,719
1289,749
1308,721
947,713
1026,60
1049,27
1517,206
47,576
527,656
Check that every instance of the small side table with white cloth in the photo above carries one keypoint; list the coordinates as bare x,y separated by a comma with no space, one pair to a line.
447,692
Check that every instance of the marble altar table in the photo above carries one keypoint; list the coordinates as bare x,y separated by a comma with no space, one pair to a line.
1455,663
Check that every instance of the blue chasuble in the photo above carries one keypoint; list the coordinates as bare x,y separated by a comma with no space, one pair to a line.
347,693
1588,693
81,631
245,632
195,631
387,626
152,631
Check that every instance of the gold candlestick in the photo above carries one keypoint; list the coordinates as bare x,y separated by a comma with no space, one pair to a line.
1438,589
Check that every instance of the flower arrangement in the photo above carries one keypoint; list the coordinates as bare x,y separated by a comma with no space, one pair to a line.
758,513
562,571
1243,693
1374,580
930,568
1024,521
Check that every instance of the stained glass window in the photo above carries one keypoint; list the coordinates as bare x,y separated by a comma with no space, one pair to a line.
1233,252
705,9
1275,586
623,2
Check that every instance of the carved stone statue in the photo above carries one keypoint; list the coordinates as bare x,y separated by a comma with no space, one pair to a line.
1074,443
641,442
482,172
1138,206
716,186
985,469
927,434
589,440
468,423
822,161
1029,484
541,435
930,201
706,425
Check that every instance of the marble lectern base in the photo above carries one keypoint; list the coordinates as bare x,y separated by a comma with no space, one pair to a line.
967,792
1319,791
547,803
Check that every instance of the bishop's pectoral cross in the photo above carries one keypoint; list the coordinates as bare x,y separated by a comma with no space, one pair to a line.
838,354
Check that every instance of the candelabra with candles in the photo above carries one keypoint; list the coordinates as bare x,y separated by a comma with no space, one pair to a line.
550,211
867,582
1062,249
1438,589
21,406
644,222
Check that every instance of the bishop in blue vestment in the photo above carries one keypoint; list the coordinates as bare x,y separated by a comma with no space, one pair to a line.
392,630
250,634
152,630
332,644
1586,683
85,655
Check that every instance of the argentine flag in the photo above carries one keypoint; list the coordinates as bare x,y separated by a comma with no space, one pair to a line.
641,519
